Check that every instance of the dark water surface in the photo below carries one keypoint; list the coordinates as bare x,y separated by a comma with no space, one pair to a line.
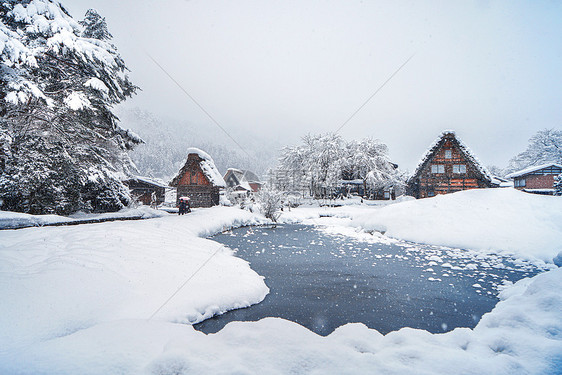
323,281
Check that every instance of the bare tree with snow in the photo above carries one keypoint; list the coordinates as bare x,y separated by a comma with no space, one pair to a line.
322,161
270,201
544,147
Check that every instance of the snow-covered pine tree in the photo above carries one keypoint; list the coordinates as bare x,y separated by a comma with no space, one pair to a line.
63,150
95,26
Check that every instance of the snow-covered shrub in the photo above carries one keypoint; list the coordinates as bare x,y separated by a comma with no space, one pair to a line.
558,185
270,201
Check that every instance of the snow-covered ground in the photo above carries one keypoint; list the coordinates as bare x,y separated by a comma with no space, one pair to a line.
504,221
79,299
15,220
58,281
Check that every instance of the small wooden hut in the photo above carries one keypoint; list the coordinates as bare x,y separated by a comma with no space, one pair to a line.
448,166
538,179
199,180
141,189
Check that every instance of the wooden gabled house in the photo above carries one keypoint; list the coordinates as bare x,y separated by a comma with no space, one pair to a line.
199,180
448,166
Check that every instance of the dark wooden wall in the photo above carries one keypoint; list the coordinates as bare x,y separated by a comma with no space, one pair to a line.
195,185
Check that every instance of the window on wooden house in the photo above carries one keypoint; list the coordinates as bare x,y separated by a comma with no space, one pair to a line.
448,154
430,193
437,168
459,168
519,182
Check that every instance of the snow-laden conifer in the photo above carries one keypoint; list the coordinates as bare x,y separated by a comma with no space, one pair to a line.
59,80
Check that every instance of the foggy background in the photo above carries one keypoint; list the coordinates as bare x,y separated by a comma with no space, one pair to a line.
271,71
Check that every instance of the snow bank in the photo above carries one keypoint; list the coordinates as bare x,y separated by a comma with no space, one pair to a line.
522,335
77,300
14,220
61,280
503,221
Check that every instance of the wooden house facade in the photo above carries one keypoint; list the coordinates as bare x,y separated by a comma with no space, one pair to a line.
447,167
141,189
199,180
536,179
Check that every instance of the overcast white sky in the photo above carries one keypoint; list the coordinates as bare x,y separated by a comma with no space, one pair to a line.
491,70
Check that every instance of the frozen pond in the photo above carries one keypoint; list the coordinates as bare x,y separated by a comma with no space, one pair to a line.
323,280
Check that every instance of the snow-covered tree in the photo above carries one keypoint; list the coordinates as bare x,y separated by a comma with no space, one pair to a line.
323,161
368,160
495,170
57,89
95,26
544,147
316,164
558,185
270,201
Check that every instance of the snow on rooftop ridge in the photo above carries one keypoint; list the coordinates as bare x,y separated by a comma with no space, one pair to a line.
468,152
208,166
150,180
532,169
202,154
234,170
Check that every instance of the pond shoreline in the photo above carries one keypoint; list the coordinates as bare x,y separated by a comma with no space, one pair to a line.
318,272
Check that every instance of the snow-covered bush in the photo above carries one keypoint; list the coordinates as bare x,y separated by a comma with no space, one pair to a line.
558,185
270,201
59,80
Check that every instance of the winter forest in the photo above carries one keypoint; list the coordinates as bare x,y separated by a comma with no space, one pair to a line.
137,241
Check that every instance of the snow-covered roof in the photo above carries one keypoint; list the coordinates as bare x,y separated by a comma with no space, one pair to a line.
539,190
148,180
251,176
501,182
234,170
207,165
352,182
463,147
243,177
532,169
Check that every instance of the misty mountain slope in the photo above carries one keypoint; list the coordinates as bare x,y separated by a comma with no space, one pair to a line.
167,140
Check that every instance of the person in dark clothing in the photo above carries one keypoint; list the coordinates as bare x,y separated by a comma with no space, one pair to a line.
182,207
187,207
